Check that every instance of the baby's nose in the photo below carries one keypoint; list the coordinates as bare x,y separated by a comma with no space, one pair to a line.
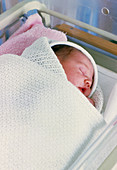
87,83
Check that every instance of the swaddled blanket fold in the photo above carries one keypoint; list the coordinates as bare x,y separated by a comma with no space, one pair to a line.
45,121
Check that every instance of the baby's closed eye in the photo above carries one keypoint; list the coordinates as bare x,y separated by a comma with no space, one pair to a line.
83,71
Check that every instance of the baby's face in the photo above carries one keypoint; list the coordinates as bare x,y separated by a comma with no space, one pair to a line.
79,71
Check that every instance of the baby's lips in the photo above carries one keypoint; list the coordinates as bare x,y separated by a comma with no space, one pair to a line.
80,89
86,92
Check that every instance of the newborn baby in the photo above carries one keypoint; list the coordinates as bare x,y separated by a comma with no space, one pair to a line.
78,66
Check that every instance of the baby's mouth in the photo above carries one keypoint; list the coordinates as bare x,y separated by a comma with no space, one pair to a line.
80,89
85,91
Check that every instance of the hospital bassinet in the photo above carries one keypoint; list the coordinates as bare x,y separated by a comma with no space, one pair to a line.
105,54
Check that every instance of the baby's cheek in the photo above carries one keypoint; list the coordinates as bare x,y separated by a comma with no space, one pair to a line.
72,79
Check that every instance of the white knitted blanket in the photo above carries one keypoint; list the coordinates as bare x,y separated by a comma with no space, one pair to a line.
45,122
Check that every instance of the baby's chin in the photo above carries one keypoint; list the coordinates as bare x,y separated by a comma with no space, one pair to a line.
91,101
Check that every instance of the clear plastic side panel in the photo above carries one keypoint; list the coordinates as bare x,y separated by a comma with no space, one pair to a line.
99,13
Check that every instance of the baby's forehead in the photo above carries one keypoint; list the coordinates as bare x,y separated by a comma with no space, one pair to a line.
79,57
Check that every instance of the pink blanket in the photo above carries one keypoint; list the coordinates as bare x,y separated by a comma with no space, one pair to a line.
27,34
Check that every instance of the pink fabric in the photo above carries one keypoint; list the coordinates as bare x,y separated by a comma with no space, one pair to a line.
27,34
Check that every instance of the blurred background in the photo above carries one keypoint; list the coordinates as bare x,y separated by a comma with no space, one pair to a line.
99,13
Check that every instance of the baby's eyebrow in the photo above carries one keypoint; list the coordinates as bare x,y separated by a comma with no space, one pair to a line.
86,65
